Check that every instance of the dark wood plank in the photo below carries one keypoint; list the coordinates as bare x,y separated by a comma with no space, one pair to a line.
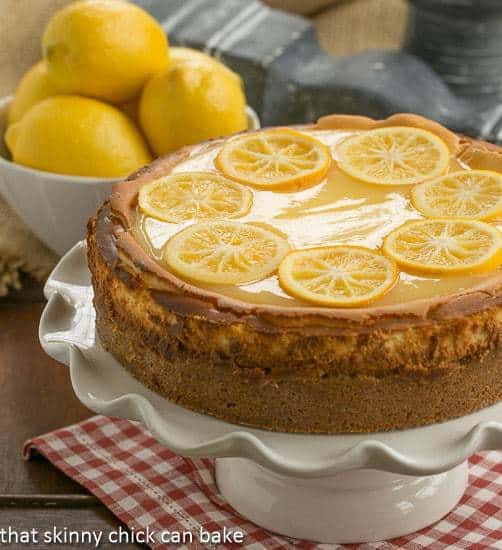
98,520
36,397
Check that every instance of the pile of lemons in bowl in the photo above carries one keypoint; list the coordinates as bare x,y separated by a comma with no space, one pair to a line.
109,93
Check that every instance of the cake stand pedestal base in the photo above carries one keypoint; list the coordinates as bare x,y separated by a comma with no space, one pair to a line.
353,506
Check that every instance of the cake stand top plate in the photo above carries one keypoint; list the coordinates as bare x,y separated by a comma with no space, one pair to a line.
67,333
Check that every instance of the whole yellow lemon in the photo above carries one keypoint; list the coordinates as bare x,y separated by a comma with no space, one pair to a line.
192,101
79,136
33,87
105,49
177,54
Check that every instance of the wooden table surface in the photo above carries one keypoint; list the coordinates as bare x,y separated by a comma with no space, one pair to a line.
37,397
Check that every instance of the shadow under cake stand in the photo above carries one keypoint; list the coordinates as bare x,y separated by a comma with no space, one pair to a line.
333,488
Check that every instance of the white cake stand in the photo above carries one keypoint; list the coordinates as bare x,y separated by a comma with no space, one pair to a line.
336,488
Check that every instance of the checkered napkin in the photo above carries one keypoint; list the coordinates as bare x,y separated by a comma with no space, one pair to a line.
149,487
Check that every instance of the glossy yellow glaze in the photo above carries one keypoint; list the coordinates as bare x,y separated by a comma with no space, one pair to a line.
338,210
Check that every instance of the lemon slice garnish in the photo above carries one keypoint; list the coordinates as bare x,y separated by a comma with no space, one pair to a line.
190,196
397,155
338,276
475,194
445,246
225,252
277,159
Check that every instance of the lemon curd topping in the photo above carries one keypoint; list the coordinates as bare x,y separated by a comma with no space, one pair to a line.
339,210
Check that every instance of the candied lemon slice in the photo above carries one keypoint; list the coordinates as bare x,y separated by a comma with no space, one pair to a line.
341,276
225,252
190,196
445,246
397,155
278,158
475,194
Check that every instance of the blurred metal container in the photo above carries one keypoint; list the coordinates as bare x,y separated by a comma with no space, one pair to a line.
462,42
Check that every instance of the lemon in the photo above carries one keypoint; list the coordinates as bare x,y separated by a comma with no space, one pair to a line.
279,158
79,136
397,155
225,252
445,246
105,49
33,87
189,196
337,276
190,102
177,55
475,194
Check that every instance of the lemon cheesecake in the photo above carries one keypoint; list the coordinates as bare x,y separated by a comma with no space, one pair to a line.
336,277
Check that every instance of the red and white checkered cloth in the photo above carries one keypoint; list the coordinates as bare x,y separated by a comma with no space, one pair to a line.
147,486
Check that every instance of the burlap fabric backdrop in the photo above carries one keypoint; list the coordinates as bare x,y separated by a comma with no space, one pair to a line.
344,27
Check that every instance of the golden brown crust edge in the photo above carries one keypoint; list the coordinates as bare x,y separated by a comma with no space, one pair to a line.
288,381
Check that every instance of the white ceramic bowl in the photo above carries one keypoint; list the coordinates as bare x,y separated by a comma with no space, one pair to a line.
56,207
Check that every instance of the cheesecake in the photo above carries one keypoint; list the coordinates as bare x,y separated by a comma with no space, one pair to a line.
337,277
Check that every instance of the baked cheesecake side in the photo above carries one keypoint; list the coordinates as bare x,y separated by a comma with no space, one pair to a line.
309,369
